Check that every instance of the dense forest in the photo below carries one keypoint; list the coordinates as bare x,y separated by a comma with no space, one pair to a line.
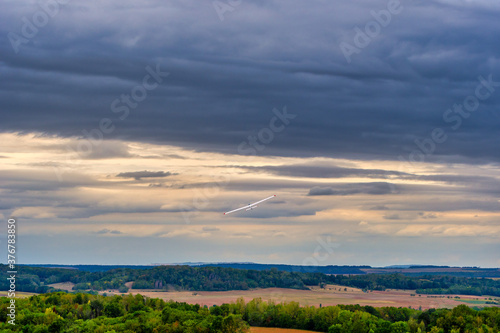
62,312
329,269
427,284
37,279
408,270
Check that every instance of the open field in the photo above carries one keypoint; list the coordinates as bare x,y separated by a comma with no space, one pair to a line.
274,330
19,294
68,286
477,302
331,295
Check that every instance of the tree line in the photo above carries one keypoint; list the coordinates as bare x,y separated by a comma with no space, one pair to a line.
206,278
37,279
427,284
80,312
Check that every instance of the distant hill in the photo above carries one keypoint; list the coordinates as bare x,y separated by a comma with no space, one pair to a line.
292,268
408,270
428,270
254,266
91,268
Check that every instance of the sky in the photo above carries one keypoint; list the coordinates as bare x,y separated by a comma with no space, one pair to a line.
128,128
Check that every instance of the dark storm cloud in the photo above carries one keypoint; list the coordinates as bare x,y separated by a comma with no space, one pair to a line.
107,231
392,217
484,184
109,150
138,175
321,191
438,204
448,184
227,76
317,171
427,215
350,189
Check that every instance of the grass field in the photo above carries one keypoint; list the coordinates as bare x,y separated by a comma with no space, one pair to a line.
19,294
68,286
475,302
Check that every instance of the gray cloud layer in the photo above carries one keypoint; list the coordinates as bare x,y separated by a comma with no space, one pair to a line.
350,189
74,75
226,76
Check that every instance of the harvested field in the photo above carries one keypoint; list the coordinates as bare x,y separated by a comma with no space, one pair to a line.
331,295
68,286
19,294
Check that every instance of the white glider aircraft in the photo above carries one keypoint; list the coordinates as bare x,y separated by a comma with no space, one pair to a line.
250,206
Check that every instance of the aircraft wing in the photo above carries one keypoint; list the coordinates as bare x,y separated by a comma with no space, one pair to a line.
250,206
